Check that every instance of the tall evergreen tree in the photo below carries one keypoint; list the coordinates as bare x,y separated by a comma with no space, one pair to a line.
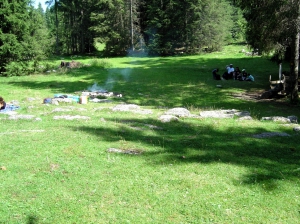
55,3
192,24
20,36
113,25
274,24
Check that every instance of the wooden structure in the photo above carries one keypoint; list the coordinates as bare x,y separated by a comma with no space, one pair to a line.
283,86
279,86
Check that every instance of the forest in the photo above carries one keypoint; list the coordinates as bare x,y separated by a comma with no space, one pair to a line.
152,28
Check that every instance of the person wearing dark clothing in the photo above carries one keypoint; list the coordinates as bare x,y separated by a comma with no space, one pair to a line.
237,73
216,76
2,103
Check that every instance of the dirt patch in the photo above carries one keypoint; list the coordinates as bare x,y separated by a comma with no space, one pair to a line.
256,96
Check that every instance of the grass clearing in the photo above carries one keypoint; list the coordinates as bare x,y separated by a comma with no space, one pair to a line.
191,171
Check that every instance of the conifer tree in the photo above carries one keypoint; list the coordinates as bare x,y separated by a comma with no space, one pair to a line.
274,24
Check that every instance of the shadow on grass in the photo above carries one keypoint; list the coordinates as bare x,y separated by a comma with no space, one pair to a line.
32,219
169,82
267,160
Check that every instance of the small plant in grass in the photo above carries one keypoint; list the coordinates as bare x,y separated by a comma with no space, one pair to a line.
63,70
102,63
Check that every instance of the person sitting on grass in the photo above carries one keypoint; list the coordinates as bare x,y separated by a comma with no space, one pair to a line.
229,74
249,78
237,73
216,76
2,103
242,75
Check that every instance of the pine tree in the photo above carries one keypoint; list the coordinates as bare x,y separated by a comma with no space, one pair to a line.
274,24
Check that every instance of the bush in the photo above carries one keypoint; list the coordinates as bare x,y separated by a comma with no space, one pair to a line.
16,69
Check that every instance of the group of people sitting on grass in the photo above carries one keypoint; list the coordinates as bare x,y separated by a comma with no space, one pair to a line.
233,73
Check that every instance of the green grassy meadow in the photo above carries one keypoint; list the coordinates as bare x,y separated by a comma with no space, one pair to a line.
195,170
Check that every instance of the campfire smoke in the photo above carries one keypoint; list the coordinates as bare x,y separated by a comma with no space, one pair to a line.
96,91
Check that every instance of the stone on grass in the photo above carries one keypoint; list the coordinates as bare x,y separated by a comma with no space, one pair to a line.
21,117
153,127
245,118
71,117
168,118
242,113
178,112
271,134
125,151
126,107
297,128
293,119
68,109
61,110
131,108
218,113
276,119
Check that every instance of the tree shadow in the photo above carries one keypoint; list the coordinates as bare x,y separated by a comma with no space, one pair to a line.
267,160
167,82
32,219
187,82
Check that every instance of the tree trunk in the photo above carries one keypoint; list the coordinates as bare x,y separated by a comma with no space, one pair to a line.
294,78
131,27
56,24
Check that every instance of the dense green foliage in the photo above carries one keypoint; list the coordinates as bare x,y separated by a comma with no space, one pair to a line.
270,24
192,25
274,25
23,37
123,26
166,27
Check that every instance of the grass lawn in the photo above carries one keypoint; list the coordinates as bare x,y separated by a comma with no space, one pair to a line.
195,170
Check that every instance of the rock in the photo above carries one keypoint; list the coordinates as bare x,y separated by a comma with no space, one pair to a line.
222,113
242,114
168,118
293,119
271,134
153,126
71,117
126,107
245,118
178,112
18,117
61,110
131,108
127,151
276,119
297,128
